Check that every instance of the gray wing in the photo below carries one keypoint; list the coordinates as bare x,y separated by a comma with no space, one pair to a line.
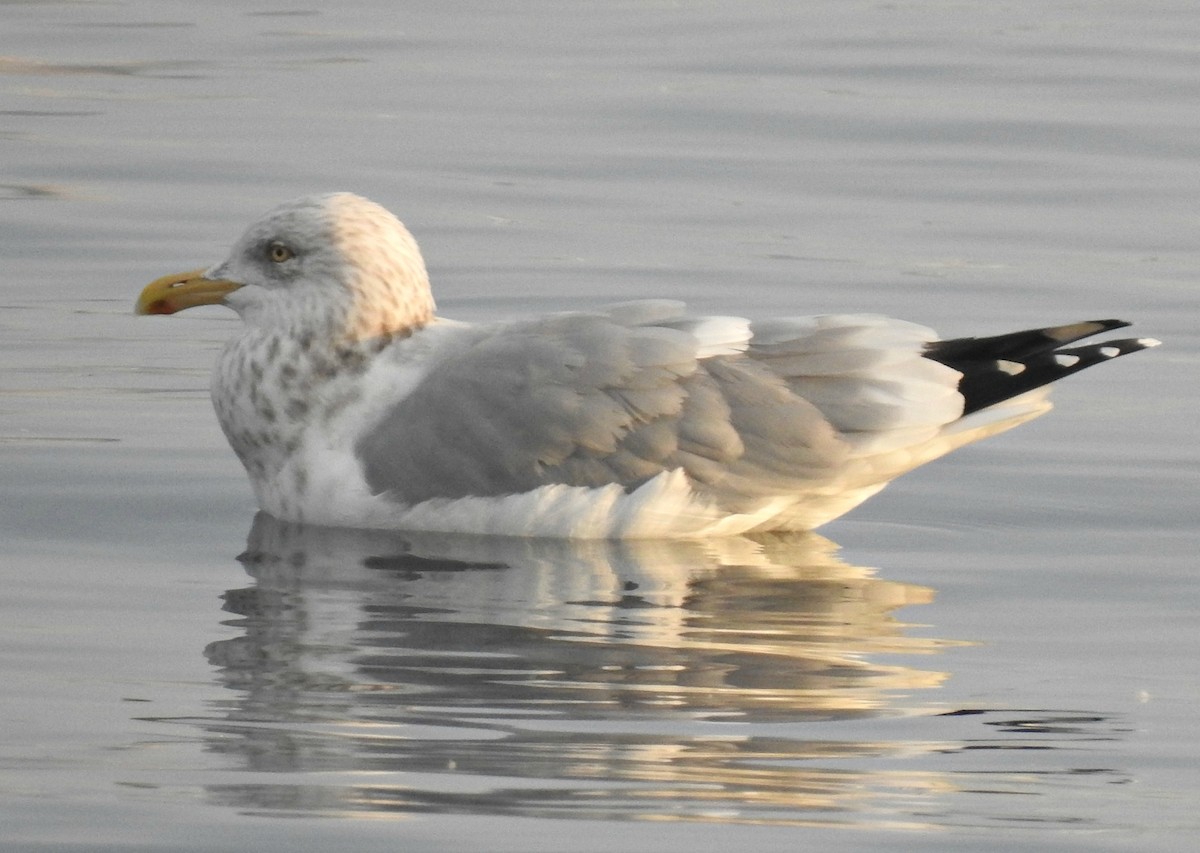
593,400
808,407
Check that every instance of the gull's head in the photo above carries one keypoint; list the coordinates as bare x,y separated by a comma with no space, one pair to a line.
337,262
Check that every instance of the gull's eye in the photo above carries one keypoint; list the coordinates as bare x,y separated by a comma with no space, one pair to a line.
278,253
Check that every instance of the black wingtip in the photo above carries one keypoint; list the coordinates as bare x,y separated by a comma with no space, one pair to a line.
1078,331
998,368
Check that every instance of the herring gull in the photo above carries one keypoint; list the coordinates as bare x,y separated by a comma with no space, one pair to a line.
350,403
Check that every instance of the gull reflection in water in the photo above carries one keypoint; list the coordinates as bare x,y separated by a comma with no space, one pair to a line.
383,672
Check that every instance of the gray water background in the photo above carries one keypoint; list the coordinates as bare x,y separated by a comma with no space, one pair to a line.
999,652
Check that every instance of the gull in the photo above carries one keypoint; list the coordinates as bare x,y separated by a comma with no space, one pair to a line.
351,403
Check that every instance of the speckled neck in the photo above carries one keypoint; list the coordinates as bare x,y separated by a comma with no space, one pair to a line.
269,388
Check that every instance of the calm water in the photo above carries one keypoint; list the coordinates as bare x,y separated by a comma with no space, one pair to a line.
1000,652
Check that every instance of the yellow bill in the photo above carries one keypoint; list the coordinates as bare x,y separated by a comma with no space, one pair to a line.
180,291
